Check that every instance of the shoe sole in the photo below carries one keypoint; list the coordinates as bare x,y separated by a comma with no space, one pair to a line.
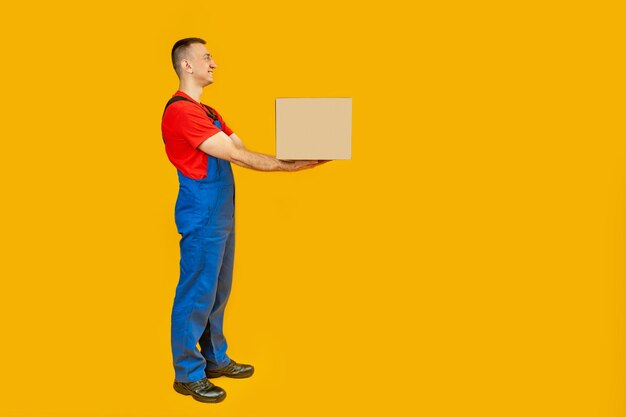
184,391
210,374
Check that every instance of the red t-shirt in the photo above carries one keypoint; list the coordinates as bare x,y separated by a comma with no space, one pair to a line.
186,125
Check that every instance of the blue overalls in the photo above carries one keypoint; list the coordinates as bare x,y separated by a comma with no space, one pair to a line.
205,218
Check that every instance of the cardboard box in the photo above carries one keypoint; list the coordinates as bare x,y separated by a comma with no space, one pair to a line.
313,128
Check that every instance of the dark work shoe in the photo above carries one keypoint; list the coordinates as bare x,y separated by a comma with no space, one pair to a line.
203,390
232,370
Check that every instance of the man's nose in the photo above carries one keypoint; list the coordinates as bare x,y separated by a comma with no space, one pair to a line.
213,64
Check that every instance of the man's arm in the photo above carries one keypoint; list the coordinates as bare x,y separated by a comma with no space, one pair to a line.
238,142
231,149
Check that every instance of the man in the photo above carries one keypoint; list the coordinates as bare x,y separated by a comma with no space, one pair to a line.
201,146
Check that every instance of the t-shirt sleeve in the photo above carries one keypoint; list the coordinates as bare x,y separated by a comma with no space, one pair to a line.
193,125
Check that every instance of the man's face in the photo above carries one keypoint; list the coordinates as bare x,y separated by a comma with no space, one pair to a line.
202,64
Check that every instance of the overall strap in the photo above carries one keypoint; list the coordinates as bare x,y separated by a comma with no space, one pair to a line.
209,112
172,100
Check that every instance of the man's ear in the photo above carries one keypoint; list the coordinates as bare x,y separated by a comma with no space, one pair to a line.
186,66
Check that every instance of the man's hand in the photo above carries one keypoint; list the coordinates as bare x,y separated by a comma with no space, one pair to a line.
301,164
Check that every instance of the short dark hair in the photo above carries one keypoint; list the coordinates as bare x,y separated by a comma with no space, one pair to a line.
179,49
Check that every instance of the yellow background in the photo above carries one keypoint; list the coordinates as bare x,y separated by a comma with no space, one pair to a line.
468,261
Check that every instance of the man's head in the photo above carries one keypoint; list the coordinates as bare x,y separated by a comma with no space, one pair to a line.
192,62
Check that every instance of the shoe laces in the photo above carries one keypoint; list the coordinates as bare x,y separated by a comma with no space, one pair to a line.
204,383
232,366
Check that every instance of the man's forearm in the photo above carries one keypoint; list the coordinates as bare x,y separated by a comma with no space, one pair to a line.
231,149
258,161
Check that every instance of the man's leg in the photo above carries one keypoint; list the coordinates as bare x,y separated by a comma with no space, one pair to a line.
196,292
213,344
